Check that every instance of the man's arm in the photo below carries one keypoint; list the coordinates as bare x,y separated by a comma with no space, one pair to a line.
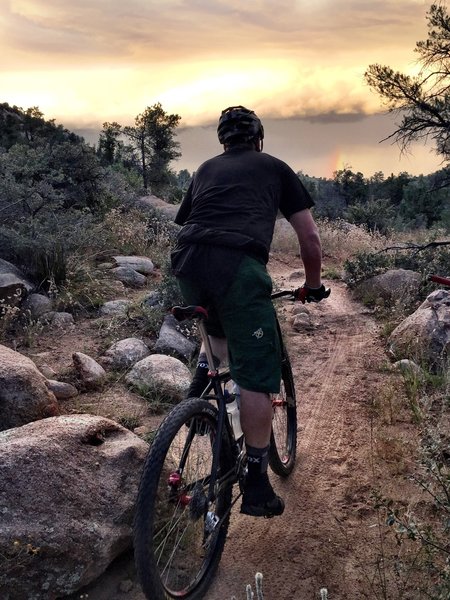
310,246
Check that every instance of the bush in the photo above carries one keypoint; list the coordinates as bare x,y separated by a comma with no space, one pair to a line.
364,266
368,264
376,215
123,232
168,288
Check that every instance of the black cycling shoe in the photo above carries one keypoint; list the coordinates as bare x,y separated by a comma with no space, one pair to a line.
267,509
260,500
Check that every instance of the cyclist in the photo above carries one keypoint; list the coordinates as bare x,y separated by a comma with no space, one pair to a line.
228,216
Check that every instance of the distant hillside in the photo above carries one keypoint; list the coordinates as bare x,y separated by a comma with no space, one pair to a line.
18,125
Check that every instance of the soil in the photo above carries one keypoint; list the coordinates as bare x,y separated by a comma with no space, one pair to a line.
355,437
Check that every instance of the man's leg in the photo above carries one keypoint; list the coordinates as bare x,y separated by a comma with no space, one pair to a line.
259,498
256,418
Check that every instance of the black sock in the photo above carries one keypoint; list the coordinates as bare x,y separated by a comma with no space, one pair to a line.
257,463
200,379
257,485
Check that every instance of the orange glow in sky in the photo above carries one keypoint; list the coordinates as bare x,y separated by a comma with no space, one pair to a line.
91,61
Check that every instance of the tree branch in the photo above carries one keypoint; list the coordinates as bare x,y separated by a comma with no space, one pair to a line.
415,247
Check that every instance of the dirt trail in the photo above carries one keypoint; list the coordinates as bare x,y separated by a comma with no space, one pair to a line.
309,547
328,529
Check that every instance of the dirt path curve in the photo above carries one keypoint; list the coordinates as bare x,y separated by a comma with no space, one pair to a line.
323,536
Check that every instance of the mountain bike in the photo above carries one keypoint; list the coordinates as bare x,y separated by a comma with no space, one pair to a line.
187,487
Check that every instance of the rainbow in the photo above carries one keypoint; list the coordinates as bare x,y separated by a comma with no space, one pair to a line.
338,160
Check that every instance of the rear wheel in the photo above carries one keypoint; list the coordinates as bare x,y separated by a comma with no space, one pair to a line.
283,442
178,536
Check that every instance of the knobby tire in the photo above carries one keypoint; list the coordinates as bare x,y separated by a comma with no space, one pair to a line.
174,556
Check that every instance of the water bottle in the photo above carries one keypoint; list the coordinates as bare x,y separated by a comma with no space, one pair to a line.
233,411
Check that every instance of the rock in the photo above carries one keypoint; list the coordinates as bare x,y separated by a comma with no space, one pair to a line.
92,374
62,390
69,485
303,322
409,369
172,341
24,395
153,299
394,286
47,371
14,286
143,430
424,336
141,264
296,275
115,307
300,309
166,373
62,320
125,353
47,317
116,287
153,203
37,305
129,277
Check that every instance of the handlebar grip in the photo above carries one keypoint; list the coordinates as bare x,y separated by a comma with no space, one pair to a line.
439,279
300,294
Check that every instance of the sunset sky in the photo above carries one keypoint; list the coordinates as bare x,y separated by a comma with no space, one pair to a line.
298,63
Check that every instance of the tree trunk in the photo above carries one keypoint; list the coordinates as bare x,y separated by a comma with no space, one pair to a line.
144,165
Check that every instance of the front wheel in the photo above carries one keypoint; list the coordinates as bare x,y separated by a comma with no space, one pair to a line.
178,535
283,442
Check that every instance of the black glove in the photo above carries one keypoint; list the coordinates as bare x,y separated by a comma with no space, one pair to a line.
307,294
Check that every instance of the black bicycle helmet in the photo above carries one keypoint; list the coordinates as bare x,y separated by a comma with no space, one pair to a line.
239,124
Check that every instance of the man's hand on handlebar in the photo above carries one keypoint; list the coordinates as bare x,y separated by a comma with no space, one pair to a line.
307,294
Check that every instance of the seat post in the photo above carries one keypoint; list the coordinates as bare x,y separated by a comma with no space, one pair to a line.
207,346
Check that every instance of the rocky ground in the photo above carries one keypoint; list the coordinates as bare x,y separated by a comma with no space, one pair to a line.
355,437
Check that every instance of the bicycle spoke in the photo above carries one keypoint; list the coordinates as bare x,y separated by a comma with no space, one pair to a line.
182,551
172,555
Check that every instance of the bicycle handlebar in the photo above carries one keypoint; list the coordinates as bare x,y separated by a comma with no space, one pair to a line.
439,279
302,294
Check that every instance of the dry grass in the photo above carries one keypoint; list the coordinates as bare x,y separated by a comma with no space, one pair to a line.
340,240
125,232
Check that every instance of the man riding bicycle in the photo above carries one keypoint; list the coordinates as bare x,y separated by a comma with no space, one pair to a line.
228,217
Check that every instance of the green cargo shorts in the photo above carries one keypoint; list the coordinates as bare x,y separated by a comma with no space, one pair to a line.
246,317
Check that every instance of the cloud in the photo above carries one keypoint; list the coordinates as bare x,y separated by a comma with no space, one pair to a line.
145,29
110,59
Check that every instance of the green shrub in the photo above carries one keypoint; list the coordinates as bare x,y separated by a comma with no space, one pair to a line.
364,266
368,264
168,287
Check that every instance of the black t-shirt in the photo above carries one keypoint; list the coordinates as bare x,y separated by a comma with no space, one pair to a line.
231,207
